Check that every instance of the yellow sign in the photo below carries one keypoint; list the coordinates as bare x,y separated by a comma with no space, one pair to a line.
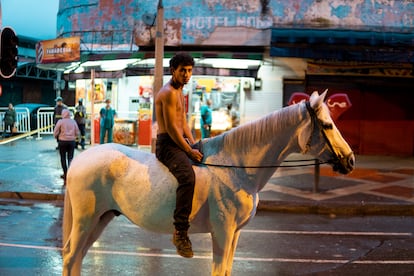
58,50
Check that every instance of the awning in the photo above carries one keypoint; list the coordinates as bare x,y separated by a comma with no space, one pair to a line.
372,45
204,64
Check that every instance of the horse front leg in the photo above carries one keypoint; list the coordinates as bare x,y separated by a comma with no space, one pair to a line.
232,251
223,250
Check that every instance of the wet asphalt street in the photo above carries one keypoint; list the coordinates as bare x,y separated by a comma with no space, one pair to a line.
272,244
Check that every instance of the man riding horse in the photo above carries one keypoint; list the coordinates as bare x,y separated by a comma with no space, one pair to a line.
172,148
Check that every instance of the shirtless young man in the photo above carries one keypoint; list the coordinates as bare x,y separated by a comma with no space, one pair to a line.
172,148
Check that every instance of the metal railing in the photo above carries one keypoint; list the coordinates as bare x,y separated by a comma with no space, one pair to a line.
44,121
22,119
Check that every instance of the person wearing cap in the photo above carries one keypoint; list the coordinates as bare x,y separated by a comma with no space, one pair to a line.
57,113
107,122
80,118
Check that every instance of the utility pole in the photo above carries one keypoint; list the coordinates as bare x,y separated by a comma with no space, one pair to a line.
159,49
159,57
92,106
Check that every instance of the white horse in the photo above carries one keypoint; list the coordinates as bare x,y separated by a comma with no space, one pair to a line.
113,179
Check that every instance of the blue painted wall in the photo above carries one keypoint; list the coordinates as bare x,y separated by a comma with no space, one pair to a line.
222,22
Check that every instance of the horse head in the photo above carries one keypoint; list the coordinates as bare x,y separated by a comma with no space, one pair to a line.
324,140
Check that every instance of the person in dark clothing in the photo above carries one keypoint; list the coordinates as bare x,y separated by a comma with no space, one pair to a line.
80,118
9,120
172,148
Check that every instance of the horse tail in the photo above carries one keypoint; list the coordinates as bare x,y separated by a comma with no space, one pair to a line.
67,219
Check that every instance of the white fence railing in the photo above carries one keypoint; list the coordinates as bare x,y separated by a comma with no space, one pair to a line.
44,121
23,119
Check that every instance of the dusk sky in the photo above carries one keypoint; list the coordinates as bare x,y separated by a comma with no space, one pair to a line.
32,18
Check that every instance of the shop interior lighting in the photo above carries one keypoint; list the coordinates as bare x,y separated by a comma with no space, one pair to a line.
229,63
150,63
121,64
106,65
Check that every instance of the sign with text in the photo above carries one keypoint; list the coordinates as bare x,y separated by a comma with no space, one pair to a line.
58,50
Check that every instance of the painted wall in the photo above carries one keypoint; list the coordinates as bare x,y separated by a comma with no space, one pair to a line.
221,22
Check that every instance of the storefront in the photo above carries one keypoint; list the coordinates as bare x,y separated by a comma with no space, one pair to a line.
225,93
132,103
132,97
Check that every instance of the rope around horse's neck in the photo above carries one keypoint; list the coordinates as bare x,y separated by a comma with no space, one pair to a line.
267,166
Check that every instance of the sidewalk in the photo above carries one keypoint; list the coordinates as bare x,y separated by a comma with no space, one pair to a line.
30,170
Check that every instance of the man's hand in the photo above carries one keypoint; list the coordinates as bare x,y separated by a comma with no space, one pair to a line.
195,155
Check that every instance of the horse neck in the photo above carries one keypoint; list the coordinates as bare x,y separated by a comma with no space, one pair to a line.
265,142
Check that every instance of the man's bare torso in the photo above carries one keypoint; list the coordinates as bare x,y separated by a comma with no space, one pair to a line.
169,101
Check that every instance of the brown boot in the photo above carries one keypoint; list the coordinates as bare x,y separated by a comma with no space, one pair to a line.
183,244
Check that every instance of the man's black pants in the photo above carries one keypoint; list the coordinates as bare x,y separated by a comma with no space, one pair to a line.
180,166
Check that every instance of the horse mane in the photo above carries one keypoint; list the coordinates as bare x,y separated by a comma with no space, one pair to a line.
262,129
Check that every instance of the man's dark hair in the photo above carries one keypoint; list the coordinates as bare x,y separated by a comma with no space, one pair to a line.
183,59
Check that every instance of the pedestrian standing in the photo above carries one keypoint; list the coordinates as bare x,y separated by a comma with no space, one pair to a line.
57,112
206,119
233,115
66,131
108,115
9,120
80,118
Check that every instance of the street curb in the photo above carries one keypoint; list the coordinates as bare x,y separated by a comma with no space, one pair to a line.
338,208
31,196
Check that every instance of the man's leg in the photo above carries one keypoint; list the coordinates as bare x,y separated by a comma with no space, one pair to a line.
203,132
82,132
180,166
8,128
102,135
110,129
184,173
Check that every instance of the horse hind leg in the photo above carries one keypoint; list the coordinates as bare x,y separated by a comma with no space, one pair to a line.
80,240
97,231
73,251
85,230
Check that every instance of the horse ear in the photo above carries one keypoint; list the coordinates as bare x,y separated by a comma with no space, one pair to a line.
316,100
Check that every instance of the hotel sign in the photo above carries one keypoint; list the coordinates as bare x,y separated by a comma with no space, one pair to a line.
58,50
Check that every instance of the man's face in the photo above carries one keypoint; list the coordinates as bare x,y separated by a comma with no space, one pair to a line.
183,73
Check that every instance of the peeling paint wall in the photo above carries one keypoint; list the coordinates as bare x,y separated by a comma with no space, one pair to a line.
221,22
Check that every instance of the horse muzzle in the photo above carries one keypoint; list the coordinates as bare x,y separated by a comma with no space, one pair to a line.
344,165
